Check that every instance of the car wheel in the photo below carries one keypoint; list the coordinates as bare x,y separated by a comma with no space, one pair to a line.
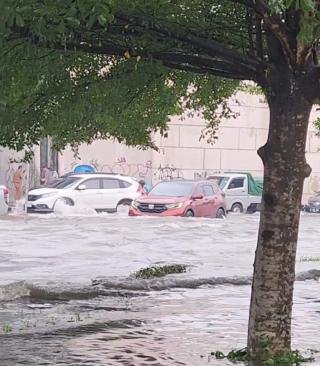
189,213
220,213
125,202
237,208
66,201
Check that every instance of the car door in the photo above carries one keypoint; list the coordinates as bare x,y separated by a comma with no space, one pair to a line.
237,191
198,205
89,193
209,200
111,193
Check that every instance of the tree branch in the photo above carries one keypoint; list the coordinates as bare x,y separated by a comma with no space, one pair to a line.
181,61
274,23
210,46
178,59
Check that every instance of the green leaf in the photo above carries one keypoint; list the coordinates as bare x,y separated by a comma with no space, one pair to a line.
73,21
102,20
19,21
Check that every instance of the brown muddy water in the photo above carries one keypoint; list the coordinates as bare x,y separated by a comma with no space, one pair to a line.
68,297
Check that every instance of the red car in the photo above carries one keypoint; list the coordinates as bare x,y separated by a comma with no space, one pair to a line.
181,198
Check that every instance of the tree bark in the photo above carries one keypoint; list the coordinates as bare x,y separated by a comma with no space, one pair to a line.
285,169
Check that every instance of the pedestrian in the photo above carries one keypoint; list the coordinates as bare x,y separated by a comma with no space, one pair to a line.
44,177
17,182
142,187
52,176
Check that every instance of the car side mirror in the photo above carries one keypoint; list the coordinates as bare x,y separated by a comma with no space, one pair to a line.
198,196
82,187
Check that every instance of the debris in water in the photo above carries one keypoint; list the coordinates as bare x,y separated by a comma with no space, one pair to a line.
160,271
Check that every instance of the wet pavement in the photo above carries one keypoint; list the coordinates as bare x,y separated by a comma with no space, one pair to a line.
68,295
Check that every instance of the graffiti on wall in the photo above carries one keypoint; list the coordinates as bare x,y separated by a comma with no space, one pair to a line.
121,166
167,172
204,174
144,170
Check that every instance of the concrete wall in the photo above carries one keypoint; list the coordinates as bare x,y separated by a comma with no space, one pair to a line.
183,155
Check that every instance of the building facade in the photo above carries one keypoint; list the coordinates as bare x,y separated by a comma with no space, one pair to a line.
182,154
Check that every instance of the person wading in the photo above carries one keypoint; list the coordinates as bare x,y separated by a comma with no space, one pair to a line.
17,182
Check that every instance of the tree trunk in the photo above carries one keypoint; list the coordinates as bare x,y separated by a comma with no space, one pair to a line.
285,169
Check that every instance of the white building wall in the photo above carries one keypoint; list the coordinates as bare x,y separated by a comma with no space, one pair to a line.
182,155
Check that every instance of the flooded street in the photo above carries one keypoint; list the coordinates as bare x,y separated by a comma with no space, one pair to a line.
68,295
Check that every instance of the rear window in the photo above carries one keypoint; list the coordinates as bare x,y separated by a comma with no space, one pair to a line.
66,183
172,189
110,183
124,184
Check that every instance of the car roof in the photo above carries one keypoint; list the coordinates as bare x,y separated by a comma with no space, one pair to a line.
100,175
231,175
191,181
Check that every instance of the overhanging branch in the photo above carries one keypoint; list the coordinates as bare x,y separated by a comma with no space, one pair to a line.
180,60
275,25
209,46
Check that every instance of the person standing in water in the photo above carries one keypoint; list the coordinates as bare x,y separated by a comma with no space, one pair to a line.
17,183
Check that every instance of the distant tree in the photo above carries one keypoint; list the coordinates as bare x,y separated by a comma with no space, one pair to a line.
82,69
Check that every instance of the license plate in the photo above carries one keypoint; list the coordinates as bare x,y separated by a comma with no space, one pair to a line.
151,207
29,204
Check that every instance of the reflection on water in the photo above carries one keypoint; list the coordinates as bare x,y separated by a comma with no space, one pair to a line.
52,314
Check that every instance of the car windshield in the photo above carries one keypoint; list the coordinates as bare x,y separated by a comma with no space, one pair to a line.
220,181
66,183
54,183
172,189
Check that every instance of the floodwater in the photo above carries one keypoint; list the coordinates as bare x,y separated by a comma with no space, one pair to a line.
68,297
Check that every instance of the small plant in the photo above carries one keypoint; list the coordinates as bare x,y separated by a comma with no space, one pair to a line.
160,271
234,356
291,358
7,328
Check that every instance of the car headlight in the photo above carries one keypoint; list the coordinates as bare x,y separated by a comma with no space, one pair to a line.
45,195
135,204
174,205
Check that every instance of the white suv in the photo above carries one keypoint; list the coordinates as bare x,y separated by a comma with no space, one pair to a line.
101,192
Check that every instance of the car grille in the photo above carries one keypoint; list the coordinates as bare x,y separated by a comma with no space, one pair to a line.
32,198
157,208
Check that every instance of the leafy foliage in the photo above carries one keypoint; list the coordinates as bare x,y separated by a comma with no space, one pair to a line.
291,358
160,271
77,97
84,69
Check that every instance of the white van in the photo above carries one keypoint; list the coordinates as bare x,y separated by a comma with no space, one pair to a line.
243,193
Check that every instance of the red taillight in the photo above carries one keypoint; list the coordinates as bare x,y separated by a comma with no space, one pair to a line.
5,191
